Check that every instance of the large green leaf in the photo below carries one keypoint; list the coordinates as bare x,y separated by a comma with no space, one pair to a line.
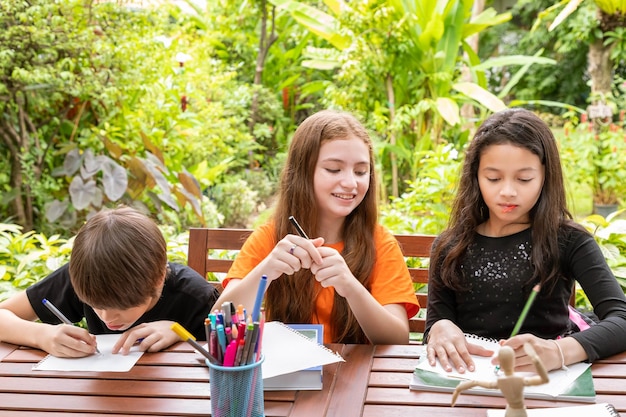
482,96
318,22
548,103
503,61
449,110
487,18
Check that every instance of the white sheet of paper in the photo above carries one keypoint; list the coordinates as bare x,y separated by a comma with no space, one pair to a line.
105,362
287,351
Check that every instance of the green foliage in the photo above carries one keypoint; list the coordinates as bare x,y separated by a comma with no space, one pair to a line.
549,83
610,233
425,206
26,258
595,159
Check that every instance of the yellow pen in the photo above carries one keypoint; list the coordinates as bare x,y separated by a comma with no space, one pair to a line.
189,338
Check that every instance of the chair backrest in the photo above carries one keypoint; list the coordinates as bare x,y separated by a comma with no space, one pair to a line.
202,241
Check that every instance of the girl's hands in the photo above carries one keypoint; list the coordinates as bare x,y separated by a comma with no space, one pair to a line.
546,350
66,341
333,271
290,255
447,343
150,337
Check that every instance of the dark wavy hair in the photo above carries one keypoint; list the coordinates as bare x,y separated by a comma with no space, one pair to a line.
524,129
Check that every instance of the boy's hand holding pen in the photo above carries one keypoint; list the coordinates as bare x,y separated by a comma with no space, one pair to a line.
57,313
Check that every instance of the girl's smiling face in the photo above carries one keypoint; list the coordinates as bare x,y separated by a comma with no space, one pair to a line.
510,180
342,176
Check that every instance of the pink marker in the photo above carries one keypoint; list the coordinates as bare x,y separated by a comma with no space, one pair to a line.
231,352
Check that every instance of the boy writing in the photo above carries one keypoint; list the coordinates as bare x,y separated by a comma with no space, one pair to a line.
119,280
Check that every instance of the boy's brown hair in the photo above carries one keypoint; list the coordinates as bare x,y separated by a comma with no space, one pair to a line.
119,260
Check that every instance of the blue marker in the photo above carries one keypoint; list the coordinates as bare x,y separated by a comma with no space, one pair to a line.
259,299
221,339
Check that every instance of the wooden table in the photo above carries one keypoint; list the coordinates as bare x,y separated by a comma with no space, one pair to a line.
373,382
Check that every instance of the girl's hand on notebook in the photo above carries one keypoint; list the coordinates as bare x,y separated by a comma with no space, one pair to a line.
149,337
67,341
447,343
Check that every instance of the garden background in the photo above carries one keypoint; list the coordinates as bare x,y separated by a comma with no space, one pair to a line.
185,110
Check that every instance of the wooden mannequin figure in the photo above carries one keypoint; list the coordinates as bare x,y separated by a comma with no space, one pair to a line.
511,385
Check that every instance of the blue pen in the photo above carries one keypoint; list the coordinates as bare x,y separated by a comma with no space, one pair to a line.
221,339
259,298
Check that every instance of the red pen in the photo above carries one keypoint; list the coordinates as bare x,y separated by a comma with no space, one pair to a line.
239,354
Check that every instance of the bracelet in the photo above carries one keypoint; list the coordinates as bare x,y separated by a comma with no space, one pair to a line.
563,367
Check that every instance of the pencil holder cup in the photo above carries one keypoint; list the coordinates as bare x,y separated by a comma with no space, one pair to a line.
236,391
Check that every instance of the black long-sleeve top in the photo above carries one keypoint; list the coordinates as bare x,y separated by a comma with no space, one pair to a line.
498,270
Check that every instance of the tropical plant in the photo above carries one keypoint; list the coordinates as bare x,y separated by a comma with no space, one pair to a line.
611,18
424,207
398,63
610,233
596,159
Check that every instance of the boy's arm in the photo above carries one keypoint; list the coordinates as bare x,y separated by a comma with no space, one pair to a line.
18,326
17,321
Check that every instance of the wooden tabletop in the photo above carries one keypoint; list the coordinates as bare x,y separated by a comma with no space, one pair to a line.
373,382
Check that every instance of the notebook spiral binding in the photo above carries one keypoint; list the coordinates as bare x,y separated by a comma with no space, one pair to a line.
309,340
481,340
612,410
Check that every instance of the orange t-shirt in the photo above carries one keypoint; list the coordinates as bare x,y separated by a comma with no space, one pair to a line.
390,281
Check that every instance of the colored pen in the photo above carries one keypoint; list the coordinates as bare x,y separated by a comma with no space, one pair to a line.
231,352
297,226
260,338
253,343
221,340
522,316
60,315
241,316
189,338
207,329
247,345
259,298
226,311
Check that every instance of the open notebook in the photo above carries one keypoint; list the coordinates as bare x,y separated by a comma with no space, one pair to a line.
572,384
105,362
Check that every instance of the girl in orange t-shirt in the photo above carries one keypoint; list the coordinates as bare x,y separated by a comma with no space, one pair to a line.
351,276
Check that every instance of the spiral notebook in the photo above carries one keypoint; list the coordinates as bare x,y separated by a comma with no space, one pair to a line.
593,410
572,384
287,351
304,379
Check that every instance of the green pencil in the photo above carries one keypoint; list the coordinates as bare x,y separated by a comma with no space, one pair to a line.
522,317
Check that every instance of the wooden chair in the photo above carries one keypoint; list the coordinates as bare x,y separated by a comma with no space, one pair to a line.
204,241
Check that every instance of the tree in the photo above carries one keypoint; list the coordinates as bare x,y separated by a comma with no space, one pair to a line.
68,91
611,16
